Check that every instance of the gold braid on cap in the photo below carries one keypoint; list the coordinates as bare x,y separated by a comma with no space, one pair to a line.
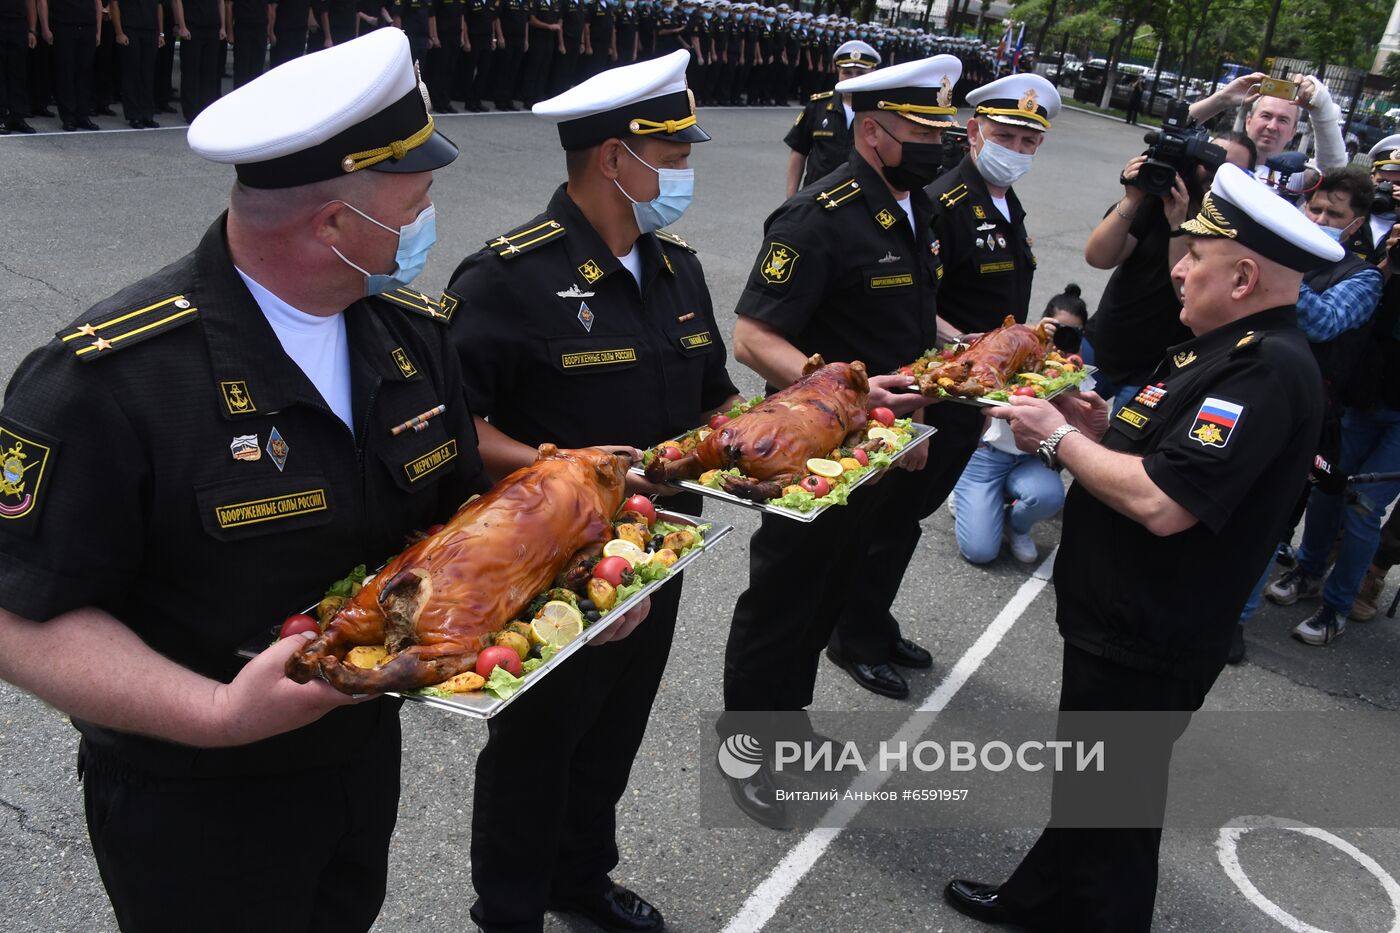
1013,112
395,150
642,127
915,108
1210,222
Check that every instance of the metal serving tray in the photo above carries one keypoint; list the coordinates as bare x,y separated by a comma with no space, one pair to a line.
482,705
990,403
921,434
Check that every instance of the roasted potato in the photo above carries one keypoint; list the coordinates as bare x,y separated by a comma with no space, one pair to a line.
367,657
666,557
516,642
636,534
465,682
328,608
603,593
678,540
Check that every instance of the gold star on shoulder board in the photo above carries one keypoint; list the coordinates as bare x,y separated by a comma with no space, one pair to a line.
102,344
87,330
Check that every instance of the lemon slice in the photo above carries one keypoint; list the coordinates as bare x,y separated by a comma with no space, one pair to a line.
626,550
887,435
557,624
823,467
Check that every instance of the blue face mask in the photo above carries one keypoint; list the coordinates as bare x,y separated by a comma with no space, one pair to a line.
673,196
771,21
706,15
1333,232
415,241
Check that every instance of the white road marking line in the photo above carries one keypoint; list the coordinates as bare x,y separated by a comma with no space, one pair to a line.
765,900
1225,849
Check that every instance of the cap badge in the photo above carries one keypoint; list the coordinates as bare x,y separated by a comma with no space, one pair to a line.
945,92
1028,101
245,447
573,291
277,449
585,316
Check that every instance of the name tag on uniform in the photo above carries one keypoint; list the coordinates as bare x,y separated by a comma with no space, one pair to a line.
238,514
891,281
990,267
822,133
1135,418
597,358
421,467
695,341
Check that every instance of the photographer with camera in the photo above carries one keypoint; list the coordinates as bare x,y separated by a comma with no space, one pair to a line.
1138,316
1272,121
1369,240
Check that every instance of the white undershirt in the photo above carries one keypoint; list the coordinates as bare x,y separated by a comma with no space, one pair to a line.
632,262
1380,229
316,344
908,207
1002,206
850,114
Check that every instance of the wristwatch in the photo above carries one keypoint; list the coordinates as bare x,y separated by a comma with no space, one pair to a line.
1047,448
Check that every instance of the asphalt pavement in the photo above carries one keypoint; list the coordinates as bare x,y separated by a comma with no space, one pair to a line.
85,214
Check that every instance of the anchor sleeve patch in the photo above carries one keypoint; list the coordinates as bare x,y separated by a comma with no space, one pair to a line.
26,460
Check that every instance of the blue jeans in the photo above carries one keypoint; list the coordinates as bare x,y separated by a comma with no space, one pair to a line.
1370,444
988,479
1251,605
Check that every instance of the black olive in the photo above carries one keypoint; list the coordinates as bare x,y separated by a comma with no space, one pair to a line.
657,541
592,615
586,605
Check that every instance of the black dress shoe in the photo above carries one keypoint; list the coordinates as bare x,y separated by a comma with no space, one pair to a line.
757,798
618,910
448,108
86,124
4,130
69,127
877,678
104,112
136,124
19,126
979,901
907,654
165,108
150,125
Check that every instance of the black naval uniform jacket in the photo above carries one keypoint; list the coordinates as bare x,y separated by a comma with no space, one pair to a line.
841,273
1227,427
558,344
987,259
820,133
167,462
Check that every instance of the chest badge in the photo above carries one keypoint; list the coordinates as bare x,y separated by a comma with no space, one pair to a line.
981,242
885,219
779,263
236,397
1001,240
277,449
978,212
1151,396
573,291
934,247
21,473
1215,421
585,316
688,316
889,257
590,272
984,227
245,447
404,364
1183,360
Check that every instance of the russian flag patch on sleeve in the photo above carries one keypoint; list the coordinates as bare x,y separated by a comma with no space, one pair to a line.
1214,422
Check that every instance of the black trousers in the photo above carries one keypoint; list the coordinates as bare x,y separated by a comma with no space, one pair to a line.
290,44
474,69
139,74
505,71
800,577
442,62
106,68
74,48
555,765
867,630
249,51
14,69
201,71
165,64
40,77
1105,880
253,849
565,72
539,63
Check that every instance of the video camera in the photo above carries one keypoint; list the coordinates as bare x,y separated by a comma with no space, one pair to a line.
1383,201
955,147
1175,150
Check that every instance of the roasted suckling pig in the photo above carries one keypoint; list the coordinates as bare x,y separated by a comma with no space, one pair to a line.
771,443
988,363
437,604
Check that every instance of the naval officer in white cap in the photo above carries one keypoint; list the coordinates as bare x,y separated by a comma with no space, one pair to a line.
204,452
1174,513
820,138
561,319
1369,241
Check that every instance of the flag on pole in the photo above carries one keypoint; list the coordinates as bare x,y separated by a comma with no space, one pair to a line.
1020,44
1003,46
